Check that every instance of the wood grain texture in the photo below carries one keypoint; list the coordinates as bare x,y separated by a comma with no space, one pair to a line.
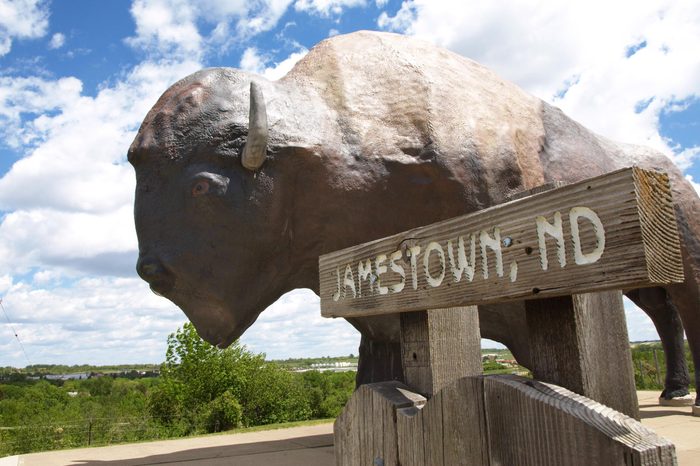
606,358
495,420
465,435
449,430
536,190
440,346
415,352
658,222
580,342
536,424
366,430
409,424
641,249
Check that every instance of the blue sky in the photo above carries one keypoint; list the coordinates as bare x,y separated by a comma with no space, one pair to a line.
77,77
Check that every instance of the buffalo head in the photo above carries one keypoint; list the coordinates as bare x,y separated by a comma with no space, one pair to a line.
210,216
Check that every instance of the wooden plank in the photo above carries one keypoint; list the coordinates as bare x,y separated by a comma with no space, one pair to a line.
409,425
433,432
537,424
465,440
366,433
439,346
347,434
580,342
536,190
611,232
449,430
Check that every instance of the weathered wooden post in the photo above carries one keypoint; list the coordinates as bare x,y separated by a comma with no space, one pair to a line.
599,364
565,252
440,346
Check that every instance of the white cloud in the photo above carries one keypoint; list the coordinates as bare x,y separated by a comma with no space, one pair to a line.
263,18
401,21
548,48
263,14
293,327
694,183
102,243
57,41
169,28
21,19
120,321
687,157
22,96
535,44
45,277
491,344
282,68
5,283
327,8
166,28
254,62
107,321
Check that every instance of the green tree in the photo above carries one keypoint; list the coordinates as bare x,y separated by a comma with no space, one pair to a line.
223,413
200,383
328,391
271,394
101,386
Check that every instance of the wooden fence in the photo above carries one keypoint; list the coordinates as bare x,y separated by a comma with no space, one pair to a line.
562,254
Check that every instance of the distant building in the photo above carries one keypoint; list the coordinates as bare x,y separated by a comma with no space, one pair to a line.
75,376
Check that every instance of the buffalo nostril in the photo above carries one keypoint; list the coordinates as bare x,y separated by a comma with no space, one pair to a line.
149,268
152,271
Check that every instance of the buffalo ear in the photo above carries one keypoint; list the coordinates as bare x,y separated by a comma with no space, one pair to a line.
255,149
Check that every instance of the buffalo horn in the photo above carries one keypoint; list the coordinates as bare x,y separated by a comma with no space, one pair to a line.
255,148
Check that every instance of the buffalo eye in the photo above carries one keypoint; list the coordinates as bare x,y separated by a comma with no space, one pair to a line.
200,188
205,183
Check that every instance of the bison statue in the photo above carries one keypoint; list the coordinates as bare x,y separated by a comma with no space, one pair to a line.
242,183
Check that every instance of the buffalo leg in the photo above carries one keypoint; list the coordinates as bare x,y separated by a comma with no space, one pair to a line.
686,298
655,302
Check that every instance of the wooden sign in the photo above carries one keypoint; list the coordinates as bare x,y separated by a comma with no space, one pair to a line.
615,231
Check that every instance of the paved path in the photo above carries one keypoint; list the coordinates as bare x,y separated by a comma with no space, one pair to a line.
297,446
676,424
311,446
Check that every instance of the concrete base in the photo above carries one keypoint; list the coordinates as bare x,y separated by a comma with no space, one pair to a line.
696,411
687,400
